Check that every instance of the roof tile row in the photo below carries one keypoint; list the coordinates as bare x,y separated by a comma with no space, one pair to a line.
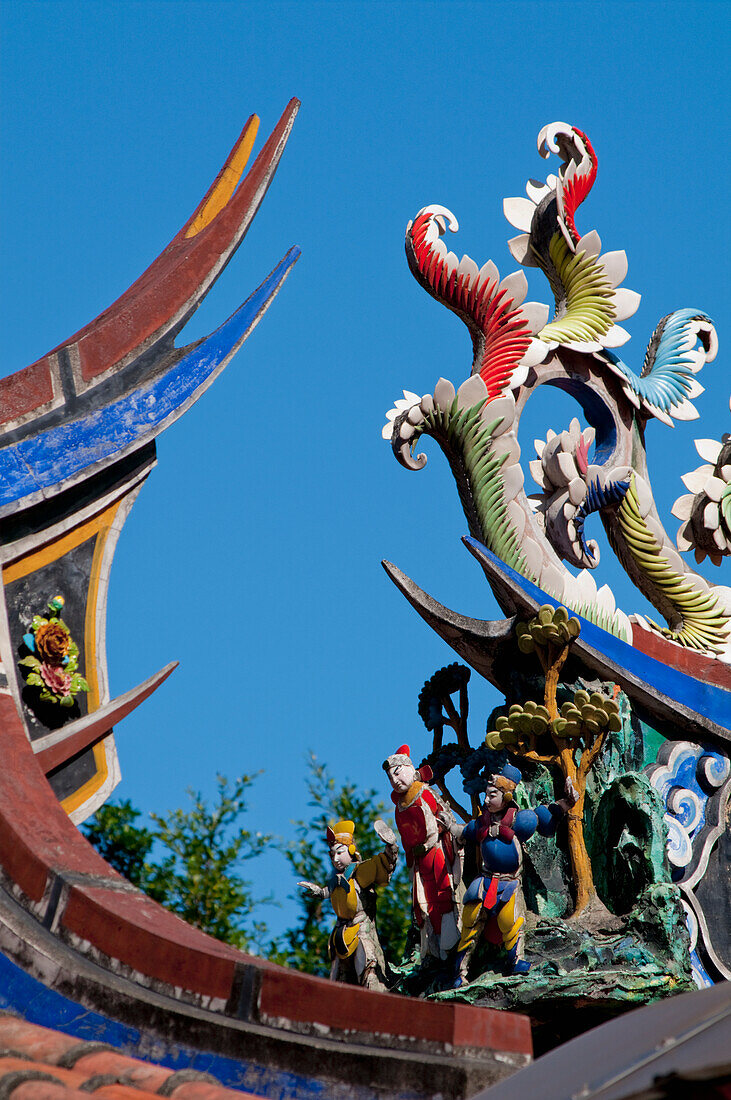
37,1063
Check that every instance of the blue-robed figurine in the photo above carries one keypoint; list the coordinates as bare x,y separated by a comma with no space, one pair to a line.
493,901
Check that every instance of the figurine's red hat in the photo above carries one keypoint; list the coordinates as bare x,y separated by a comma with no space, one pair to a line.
401,756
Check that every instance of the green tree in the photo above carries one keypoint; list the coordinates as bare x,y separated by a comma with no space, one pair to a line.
127,846
304,947
202,851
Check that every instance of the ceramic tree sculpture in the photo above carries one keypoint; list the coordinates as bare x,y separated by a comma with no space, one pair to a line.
570,740
616,687
437,710
355,950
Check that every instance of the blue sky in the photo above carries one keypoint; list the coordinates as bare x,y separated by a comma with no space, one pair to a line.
253,553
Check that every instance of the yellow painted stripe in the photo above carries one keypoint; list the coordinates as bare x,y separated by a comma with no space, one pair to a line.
92,675
98,525
227,181
24,566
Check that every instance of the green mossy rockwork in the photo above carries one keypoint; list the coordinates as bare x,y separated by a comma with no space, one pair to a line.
622,965
629,948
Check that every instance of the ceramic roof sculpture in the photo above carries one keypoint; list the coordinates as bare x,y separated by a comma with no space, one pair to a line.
77,440
537,555
523,541
82,951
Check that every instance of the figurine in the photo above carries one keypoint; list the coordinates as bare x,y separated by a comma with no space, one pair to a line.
495,896
355,950
434,863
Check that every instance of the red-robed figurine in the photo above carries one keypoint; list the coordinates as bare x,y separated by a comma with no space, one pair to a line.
432,857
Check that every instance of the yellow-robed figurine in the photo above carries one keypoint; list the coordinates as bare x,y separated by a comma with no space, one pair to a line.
355,950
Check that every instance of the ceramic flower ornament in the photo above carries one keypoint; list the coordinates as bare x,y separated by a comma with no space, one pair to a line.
51,665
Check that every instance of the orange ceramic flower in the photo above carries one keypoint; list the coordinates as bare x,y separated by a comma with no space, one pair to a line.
52,643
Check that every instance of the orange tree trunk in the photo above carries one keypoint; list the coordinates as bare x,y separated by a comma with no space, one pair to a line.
581,872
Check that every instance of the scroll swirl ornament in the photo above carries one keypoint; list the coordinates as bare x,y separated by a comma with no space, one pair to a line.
695,784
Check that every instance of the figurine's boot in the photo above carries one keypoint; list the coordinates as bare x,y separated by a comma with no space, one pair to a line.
370,979
471,928
516,964
511,921
461,965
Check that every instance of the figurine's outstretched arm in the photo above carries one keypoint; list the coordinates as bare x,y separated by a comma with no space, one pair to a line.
386,834
314,889
377,870
449,822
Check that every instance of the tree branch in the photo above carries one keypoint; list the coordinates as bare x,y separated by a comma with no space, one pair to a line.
460,810
588,757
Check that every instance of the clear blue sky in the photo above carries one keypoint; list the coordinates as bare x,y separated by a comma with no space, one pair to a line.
253,553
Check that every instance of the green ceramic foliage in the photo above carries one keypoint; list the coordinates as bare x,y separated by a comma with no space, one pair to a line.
551,626
587,713
467,440
703,622
587,311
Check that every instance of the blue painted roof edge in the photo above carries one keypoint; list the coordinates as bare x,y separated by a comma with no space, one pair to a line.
706,699
68,452
29,998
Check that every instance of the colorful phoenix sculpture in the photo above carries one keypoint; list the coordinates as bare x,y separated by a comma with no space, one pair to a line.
535,549
680,671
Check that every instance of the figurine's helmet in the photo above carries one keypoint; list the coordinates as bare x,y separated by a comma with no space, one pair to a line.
343,832
402,757
506,781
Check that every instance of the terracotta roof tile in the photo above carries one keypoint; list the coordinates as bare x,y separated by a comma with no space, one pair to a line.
45,1089
37,1042
37,1063
143,1075
113,1090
